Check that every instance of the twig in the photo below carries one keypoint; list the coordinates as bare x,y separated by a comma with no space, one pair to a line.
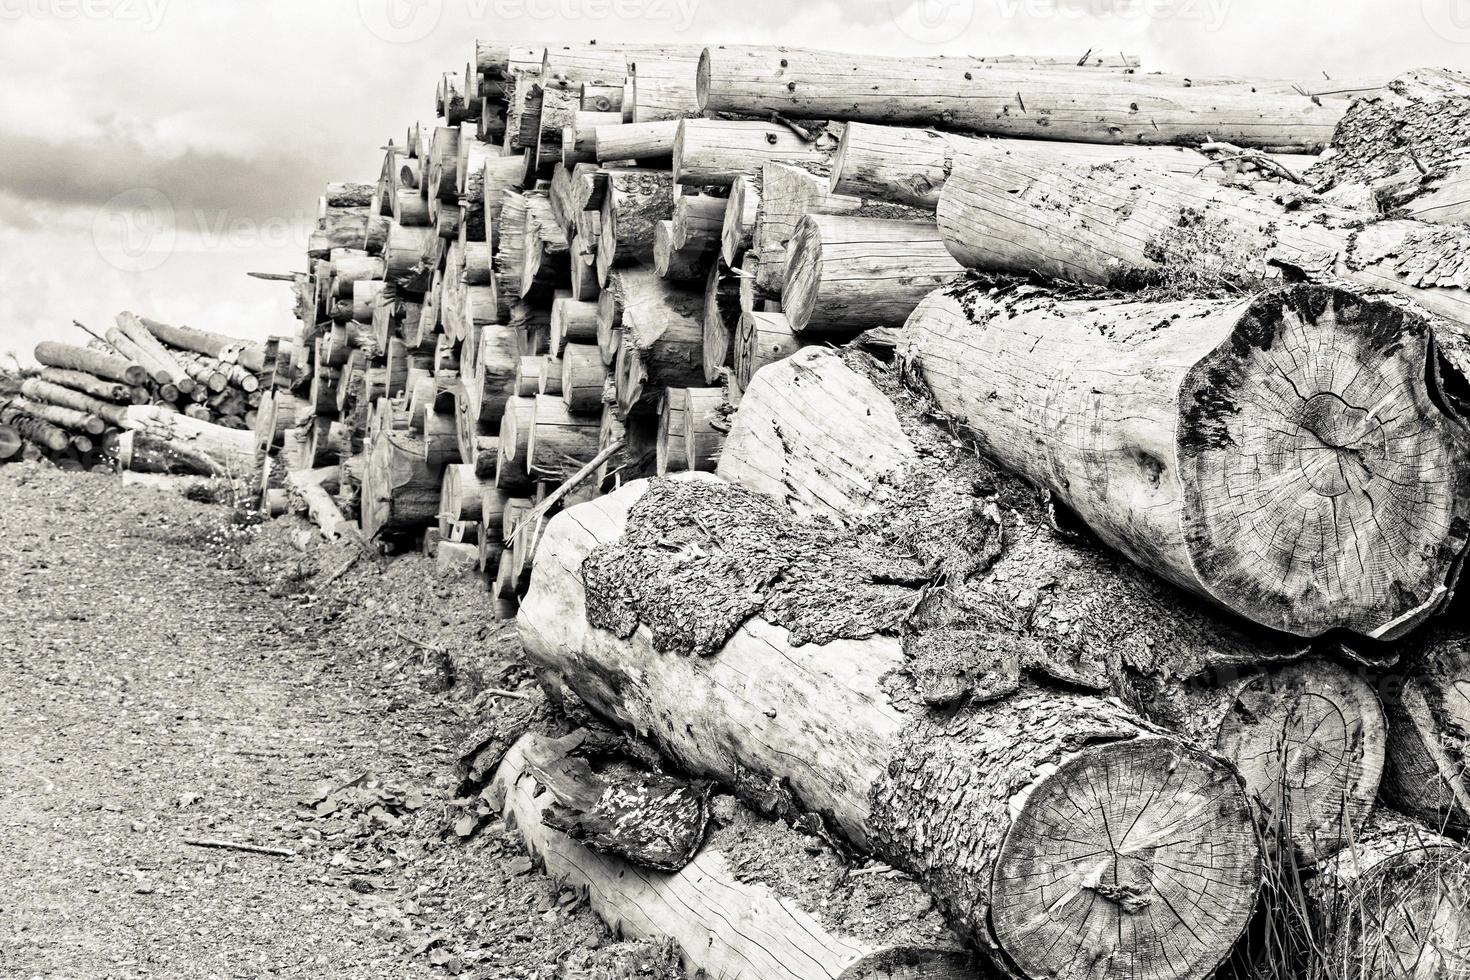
801,131
418,643
533,518
225,845
343,569
506,694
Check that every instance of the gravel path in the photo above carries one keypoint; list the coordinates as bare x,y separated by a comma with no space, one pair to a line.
150,694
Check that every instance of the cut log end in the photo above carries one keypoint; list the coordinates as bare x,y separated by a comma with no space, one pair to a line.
1323,485
1309,740
1133,859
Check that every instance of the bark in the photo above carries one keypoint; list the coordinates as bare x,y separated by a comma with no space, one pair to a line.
400,491
1131,225
1032,103
911,166
980,806
762,339
70,419
715,152
661,339
845,274
583,377
604,98
559,443
1393,905
782,933
107,366
1404,148
1428,774
649,143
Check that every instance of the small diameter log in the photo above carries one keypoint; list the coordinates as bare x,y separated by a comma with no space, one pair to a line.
638,436
461,494
53,394
65,418
788,194
1032,103
88,384
528,377
549,379
560,443
661,339
572,322
845,274
717,152
11,442
698,217
670,451
515,437
161,366
1393,905
35,430
231,350
737,228
1173,229
400,491
232,449
646,143
783,932
1428,773
634,202
762,339
583,377
510,252
1404,148
985,808
84,360
1145,418
684,265
705,428
720,319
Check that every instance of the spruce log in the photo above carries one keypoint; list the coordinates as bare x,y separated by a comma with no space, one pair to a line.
161,370
249,356
665,88
514,441
845,274
1128,224
232,449
11,443
583,377
1032,103
717,152
683,264
1393,905
1428,774
37,431
633,204
670,456
400,491
705,428
788,194
984,807
700,216
572,322
737,228
107,366
82,422
911,166
461,494
559,443
783,931
661,339
762,339
549,380
1283,456
53,394
87,383
647,143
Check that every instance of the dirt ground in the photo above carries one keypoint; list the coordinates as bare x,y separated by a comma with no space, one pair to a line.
169,676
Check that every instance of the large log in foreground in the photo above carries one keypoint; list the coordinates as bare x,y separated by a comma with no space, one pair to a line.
1005,810
788,926
1286,456
1032,103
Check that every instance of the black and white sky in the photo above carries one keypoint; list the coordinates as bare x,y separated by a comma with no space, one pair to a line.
154,151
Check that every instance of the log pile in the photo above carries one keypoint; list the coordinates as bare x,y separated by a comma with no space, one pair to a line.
1070,588
111,404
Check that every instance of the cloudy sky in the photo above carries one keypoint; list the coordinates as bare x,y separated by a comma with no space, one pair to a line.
154,151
